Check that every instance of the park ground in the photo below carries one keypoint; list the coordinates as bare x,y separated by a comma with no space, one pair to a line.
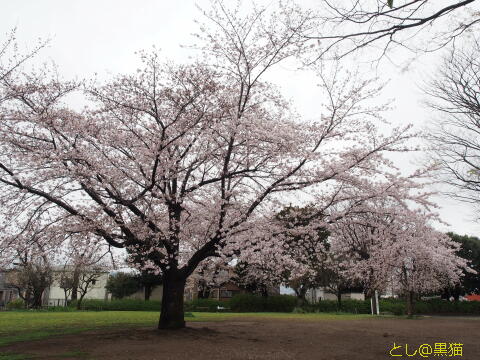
131,335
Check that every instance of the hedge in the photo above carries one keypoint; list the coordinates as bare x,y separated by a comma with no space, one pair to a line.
119,305
255,303
208,305
397,307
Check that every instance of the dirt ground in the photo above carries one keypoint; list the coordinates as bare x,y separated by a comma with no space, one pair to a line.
267,339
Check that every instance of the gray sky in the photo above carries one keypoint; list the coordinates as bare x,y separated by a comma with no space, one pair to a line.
102,36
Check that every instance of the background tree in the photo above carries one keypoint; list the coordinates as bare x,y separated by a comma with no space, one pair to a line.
245,277
395,247
148,282
307,245
32,275
470,250
454,135
122,284
335,275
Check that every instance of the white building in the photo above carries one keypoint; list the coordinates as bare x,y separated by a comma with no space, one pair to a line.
319,294
7,293
55,295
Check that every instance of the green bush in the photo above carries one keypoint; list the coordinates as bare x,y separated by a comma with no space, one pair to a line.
348,306
119,305
255,303
208,305
16,304
397,307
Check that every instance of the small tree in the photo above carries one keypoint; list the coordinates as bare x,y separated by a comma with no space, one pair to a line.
88,278
122,284
148,281
32,276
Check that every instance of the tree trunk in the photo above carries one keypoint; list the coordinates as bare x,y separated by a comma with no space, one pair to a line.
374,303
339,299
37,299
79,302
75,281
171,315
264,291
410,304
301,293
148,292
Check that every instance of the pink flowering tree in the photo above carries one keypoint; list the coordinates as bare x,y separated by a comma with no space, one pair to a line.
394,247
299,246
173,162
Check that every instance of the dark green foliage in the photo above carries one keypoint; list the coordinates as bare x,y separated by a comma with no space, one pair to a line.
350,306
470,250
123,284
119,305
255,303
208,305
148,281
16,304
397,307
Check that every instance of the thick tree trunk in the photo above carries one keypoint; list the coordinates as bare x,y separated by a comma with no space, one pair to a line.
339,299
171,315
410,304
37,299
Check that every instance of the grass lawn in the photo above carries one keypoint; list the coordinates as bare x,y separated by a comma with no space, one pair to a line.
25,326
127,335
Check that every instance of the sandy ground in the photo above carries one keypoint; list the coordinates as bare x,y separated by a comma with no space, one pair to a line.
266,339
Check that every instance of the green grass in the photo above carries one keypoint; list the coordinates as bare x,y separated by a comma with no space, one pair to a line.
11,356
27,326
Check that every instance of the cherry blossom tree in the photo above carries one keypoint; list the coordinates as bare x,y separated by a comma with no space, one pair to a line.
395,247
85,262
176,162
305,256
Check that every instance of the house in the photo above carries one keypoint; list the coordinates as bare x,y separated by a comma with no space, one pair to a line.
223,292
156,293
55,295
7,293
316,295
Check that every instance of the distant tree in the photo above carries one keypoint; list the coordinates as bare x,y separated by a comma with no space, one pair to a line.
88,278
334,276
31,277
469,250
307,245
244,278
455,96
398,247
148,281
122,284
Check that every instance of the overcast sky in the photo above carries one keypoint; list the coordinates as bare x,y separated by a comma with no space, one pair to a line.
101,37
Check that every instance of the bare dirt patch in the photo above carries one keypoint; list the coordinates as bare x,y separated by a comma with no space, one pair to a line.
264,339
